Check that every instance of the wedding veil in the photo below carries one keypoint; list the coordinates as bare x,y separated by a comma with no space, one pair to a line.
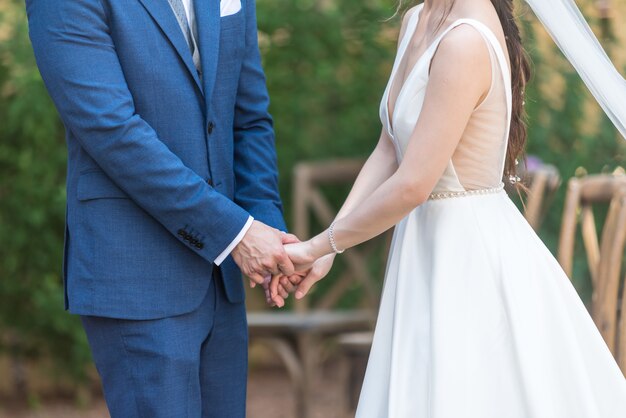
569,29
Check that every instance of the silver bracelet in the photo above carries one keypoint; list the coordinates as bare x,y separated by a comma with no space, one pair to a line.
331,238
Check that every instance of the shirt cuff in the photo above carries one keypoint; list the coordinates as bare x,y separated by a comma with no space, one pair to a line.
220,258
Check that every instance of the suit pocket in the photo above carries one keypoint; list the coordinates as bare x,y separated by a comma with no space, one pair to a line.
229,7
232,22
115,243
97,185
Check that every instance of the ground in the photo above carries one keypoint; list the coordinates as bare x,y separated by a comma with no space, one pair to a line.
269,396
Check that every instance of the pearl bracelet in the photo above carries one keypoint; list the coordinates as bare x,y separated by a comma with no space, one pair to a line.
331,239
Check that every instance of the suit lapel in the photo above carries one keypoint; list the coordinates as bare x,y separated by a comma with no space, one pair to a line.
208,22
163,15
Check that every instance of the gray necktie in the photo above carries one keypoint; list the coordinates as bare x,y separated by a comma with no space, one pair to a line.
181,16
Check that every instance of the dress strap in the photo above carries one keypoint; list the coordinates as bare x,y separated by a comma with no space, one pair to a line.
411,26
404,43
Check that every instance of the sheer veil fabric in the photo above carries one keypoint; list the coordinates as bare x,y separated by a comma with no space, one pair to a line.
569,29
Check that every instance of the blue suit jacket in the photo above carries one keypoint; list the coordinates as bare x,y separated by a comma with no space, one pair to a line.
164,166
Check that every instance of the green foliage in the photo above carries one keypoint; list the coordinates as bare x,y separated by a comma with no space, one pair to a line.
326,62
32,192
326,69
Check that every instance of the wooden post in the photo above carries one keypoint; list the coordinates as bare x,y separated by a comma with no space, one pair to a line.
604,10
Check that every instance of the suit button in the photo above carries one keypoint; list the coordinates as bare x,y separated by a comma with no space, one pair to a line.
199,245
210,182
181,233
210,127
193,241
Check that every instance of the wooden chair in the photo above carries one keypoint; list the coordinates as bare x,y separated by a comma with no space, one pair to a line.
296,336
542,183
610,273
355,347
310,180
604,253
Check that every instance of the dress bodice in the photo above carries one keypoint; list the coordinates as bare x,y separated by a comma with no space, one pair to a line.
478,161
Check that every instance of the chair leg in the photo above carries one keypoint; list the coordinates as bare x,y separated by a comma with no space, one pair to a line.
308,349
289,356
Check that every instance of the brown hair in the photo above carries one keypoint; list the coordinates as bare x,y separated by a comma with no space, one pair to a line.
520,74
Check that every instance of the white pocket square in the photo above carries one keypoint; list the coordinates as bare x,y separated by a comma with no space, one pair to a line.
229,7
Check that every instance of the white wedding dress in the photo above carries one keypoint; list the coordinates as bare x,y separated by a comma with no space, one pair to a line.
477,319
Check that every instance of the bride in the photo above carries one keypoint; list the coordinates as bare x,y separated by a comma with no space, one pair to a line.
477,319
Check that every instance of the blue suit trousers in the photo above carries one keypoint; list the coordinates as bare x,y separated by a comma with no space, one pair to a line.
191,365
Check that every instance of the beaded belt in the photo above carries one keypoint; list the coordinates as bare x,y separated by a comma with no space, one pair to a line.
447,195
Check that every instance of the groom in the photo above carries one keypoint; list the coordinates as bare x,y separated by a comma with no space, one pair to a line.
171,190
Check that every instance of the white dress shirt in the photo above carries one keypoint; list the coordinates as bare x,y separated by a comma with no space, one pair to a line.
191,14
191,19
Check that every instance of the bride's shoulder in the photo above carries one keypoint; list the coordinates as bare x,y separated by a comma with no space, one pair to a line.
463,48
463,39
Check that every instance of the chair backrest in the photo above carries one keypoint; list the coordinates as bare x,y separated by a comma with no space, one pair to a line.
605,303
312,180
604,253
614,261
582,195
543,182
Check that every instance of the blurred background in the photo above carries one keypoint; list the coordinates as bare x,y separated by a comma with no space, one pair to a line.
327,62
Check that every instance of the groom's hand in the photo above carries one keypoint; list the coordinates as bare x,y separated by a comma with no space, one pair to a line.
286,286
282,286
260,253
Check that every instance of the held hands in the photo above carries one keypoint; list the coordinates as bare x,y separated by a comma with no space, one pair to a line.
261,253
301,282
280,263
309,271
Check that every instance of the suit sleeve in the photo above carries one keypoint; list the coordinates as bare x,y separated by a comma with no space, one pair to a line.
79,65
256,171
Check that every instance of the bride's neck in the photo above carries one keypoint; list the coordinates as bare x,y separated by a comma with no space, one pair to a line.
435,6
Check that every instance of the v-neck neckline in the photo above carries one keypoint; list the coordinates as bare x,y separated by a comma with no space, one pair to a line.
406,40
404,43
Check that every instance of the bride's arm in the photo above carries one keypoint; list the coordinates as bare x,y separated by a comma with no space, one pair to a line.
460,78
380,165
382,162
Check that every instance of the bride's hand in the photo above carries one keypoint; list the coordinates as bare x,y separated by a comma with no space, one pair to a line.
320,269
300,255
302,281
286,285
280,286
